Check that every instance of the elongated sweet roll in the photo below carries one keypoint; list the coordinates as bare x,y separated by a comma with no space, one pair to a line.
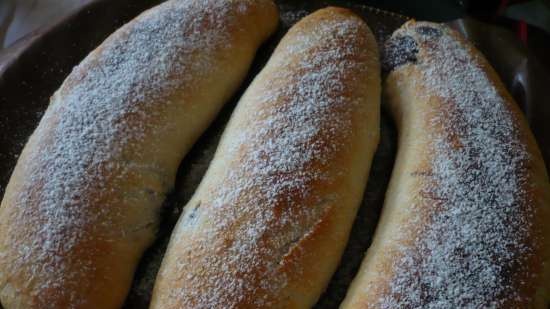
84,199
267,226
465,221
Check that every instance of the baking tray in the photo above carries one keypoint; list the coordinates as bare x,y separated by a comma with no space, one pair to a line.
33,69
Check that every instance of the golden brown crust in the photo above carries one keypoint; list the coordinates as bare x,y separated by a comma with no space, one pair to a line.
83,201
268,223
465,153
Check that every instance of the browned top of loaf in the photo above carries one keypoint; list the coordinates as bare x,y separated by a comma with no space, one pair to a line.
62,210
270,185
474,238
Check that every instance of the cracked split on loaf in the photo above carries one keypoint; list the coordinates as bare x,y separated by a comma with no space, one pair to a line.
466,217
83,202
267,226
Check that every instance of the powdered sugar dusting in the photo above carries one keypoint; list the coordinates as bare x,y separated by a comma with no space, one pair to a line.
236,241
71,203
474,249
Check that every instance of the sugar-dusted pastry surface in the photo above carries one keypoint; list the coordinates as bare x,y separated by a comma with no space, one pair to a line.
465,221
83,201
268,224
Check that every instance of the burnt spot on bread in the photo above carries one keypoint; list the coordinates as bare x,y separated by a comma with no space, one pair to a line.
193,212
397,51
429,31
422,173
428,195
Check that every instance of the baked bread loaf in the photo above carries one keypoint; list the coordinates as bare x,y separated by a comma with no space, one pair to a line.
267,226
465,221
84,199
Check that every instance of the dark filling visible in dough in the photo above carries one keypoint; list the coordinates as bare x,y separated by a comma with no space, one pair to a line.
399,50
429,32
